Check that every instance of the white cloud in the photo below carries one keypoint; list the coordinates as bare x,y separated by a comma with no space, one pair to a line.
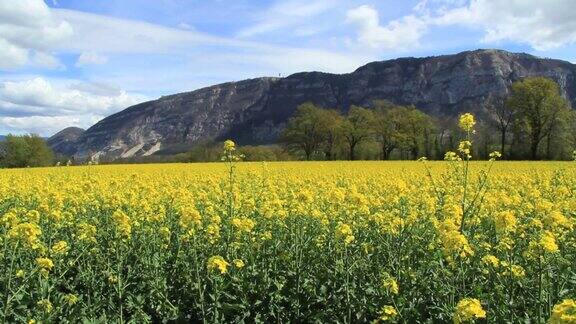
544,25
401,34
24,104
289,13
97,33
11,56
27,25
87,58
44,125
39,92
46,60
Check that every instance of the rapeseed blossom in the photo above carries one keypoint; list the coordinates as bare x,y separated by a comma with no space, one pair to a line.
60,247
344,232
218,263
564,312
229,146
122,222
238,263
45,263
387,313
45,305
26,232
468,309
390,284
466,122
491,260
70,299
548,242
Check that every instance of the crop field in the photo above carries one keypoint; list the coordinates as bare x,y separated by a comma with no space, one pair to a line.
347,242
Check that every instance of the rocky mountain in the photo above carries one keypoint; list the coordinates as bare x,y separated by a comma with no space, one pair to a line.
65,141
255,111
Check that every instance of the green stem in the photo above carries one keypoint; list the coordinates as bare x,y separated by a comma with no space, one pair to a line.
198,282
8,299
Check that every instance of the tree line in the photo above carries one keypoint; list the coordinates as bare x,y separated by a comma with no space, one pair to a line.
19,151
534,122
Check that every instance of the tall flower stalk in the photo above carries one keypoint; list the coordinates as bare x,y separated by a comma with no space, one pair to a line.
230,158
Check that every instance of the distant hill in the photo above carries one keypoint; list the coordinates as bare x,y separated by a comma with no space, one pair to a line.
255,111
64,142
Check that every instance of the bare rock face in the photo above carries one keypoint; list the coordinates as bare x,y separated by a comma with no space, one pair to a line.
65,141
255,111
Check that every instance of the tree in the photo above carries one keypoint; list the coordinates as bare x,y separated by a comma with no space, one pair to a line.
306,130
387,119
25,151
259,153
205,151
416,127
330,127
357,128
537,107
504,116
572,130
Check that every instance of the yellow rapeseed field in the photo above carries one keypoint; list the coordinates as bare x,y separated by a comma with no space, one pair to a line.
318,241
452,241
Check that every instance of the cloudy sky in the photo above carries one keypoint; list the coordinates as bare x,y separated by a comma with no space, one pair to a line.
72,62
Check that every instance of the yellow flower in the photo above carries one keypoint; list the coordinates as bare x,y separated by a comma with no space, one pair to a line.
468,309
218,263
557,221
229,146
451,156
45,263
213,231
45,304
86,232
349,239
467,122
243,224
267,235
465,148
190,217
548,242
454,243
343,230
491,260
122,222
387,313
71,299
165,234
238,263
565,312
20,274
26,232
505,222
60,247
517,271
495,155
390,284
112,279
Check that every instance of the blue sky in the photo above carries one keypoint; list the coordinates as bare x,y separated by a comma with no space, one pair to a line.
72,62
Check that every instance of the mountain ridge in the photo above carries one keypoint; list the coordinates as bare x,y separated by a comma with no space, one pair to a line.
254,111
